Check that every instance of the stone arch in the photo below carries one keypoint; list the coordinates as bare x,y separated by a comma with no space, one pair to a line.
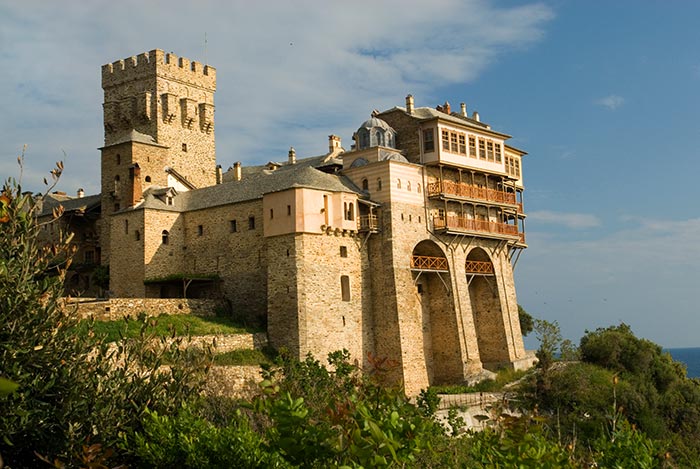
441,345
486,309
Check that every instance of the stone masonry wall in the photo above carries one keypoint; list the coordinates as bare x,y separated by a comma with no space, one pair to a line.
117,308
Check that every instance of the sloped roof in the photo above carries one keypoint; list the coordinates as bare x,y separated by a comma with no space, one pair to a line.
70,204
427,113
253,185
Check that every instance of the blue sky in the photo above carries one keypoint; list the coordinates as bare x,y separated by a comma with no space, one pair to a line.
603,96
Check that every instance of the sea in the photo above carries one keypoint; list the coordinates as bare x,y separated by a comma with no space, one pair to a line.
690,357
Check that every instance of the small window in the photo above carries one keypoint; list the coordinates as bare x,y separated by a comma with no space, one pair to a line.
379,184
200,230
343,251
428,140
165,237
251,222
398,183
289,210
345,287
497,148
272,214
232,226
472,146
454,148
489,150
365,184
126,226
349,211
137,235
408,186
445,140
89,257
482,149
148,178
184,147
462,144
169,200
418,188
119,158
116,207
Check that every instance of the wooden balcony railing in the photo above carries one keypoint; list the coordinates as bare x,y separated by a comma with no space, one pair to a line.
472,192
458,223
429,263
367,223
479,267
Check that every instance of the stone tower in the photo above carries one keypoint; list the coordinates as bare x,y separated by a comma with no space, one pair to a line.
159,129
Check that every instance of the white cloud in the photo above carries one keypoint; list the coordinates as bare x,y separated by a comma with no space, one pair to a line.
611,102
567,219
289,73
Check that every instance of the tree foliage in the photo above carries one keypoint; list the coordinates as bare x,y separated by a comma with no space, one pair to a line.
71,388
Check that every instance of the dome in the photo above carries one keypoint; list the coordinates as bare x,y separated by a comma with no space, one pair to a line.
374,132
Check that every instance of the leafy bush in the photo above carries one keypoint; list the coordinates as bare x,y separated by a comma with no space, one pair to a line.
72,388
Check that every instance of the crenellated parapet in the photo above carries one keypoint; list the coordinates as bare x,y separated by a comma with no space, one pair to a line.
165,65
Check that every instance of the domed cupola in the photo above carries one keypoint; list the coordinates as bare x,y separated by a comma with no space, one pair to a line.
374,132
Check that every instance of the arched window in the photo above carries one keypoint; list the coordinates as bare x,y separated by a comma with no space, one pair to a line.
379,184
365,184
380,138
137,234
398,183
419,189
408,186
165,237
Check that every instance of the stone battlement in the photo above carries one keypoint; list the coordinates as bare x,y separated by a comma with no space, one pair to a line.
167,65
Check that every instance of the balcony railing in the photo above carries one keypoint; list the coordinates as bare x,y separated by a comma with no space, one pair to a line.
469,191
458,223
367,223
429,263
479,267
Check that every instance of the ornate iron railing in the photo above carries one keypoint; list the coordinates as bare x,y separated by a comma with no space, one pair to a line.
429,263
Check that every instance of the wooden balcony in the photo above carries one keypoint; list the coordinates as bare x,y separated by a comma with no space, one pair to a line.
479,268
463,224
468,191
367,223
436,264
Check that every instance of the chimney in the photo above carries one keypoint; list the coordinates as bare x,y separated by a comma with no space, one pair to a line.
237,171
475,116
219,175
409,104
292,156
463,109
446,108
135,184
333,143
81,193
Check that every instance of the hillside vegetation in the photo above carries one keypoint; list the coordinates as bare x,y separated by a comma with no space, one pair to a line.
69,399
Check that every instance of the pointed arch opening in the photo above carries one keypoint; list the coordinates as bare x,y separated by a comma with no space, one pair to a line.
486,309
441,348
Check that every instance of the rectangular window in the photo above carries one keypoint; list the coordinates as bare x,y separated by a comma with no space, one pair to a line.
497,147
462,144
89,257
272,214
232,226
472,146
482,149
453,142
251,222
517,167
489,150
343,251
445,140
289,210
428,140
345,287
200,230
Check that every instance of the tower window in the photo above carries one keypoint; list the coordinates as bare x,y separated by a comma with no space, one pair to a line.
137,235
272,214
126,226
345,287
148,178
398,183
200,230
165,237
365,184
289,210
184,147
251,222
343,251
233,226
119,158
379,184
